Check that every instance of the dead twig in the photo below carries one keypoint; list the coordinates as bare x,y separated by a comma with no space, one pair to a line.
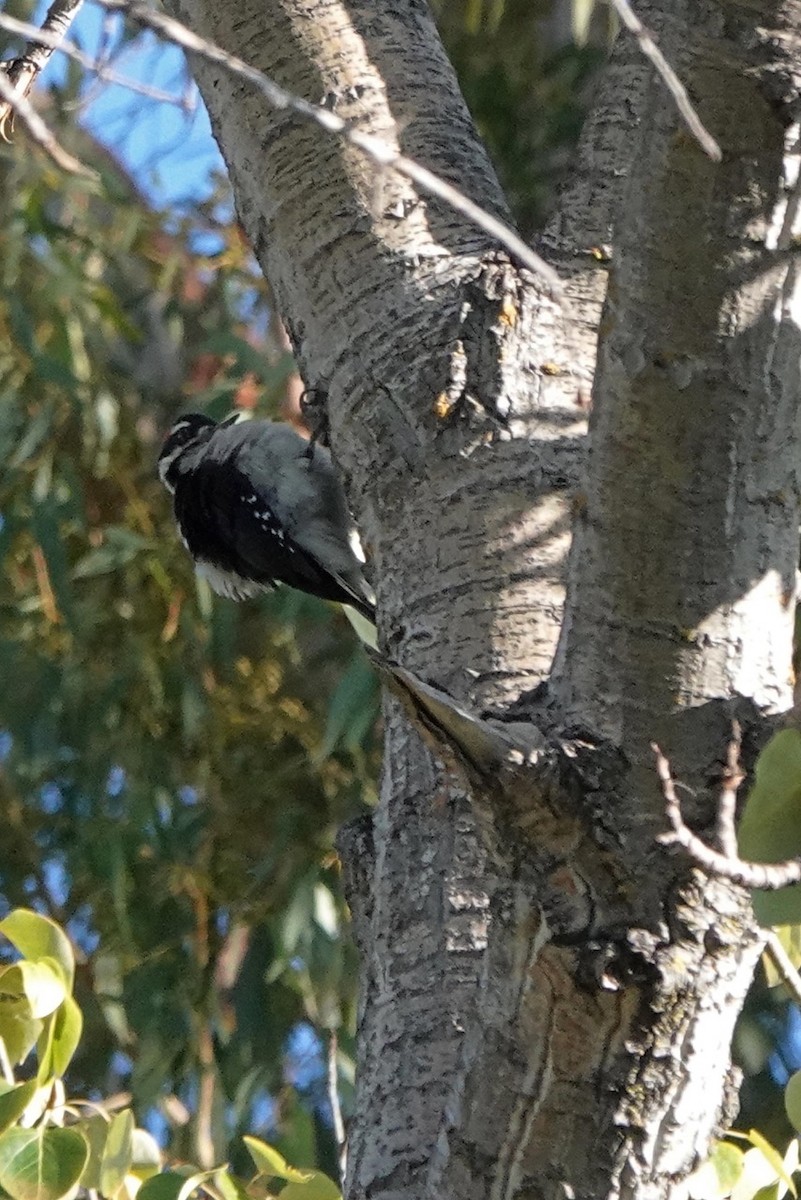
671,80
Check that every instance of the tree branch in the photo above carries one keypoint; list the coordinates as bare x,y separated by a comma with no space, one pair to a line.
21,72
751,874
669,77
733,776
14,102
96,66
380,151
765,876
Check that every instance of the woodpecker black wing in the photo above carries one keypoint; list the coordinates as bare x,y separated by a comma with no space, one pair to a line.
257,505
309,503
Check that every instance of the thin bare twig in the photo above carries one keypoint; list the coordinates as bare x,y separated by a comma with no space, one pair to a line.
39,132
671,80
22,71
16,80
381,152
783,964
97,66
767,877
336,1108
749,874
733,776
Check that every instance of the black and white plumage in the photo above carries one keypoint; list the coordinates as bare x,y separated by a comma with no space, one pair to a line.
257,505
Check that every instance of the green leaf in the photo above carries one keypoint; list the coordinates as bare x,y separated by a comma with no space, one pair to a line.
36,937
166,1186
352,709
145,1154
770,830
325,910
34,435
24,330
44,1052
41,1164
316,1187
792,1100
715,1179
772,1155
118,1152
172,1185
120,546
301,1185
40,982
95,1130
67,1029
299,1138
229,1187
727,1161
14,1100
269,1162
46,528
297,916
19,1032
193,710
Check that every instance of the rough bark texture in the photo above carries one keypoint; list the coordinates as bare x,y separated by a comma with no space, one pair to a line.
695,441
547,996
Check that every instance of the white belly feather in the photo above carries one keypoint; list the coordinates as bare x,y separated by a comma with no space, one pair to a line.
228,583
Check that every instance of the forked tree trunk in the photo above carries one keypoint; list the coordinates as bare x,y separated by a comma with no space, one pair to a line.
548,995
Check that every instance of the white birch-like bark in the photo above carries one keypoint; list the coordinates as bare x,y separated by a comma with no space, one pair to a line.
547,1004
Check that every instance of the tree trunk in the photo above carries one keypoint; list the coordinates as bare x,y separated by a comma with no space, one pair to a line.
547,994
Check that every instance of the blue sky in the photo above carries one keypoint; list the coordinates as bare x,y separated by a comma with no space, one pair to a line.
170,153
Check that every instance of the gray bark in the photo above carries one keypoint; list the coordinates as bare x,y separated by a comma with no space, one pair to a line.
547,995
695,437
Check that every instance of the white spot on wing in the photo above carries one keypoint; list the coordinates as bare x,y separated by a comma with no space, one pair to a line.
356,545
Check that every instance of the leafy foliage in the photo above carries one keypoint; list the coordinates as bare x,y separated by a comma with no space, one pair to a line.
759,1171
51,1146
172,767
770,830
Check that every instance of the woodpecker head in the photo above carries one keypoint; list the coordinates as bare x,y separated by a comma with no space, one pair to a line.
188,430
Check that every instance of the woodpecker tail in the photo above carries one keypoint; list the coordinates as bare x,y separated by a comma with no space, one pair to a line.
363,624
